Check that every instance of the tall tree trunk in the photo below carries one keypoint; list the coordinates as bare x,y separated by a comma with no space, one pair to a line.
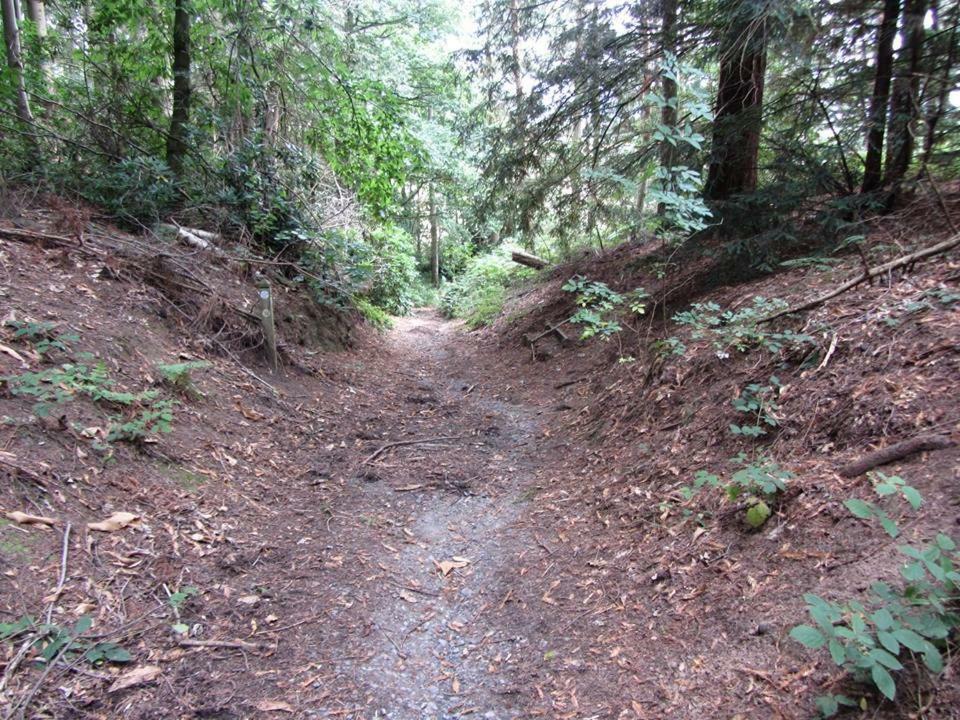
668,86
38,15
176,139
434,241
11,36
739,115
877,120
904,103
939,105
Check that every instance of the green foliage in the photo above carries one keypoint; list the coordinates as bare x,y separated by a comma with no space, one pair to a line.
758,481
678,187
69,382
884,486
43,336
872,640
54,642
376,316
739,330
177,375
176,601
178,598
598,305
157,417
477,296
757,402
392,269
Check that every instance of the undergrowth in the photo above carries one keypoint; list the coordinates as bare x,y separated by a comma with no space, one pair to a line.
477,296
895,627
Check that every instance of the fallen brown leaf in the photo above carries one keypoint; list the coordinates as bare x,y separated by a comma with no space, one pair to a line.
15,355
138,676
274,706
25,519
117,521
447,566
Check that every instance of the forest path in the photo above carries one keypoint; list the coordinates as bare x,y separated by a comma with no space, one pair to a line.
418,561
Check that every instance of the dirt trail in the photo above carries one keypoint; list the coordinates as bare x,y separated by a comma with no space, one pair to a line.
417,643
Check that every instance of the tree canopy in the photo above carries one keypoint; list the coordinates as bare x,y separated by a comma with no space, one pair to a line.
373,140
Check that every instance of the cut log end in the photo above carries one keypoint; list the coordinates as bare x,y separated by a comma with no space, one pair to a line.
528,260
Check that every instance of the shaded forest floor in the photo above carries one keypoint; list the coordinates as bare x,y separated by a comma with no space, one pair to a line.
440,524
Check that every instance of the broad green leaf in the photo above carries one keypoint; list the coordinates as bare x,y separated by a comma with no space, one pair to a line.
882,619
827,705
912,496
859,508
909,639
836,652
932,659
885,659
889,641
945,542
808,636
884,681
913,572
889,526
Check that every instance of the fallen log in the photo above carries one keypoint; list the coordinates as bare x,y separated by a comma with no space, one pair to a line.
193,237
537,263
868,274
897,451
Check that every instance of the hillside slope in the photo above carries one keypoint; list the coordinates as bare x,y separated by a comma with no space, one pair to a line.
434,523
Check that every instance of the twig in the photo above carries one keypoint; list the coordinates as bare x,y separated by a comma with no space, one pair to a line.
937,249
897,451
943,205
826,359
15,663
64,552
393,642
233,644
312,618
25,703
401,443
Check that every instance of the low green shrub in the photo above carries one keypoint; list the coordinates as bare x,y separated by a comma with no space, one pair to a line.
739,330
143,412
43,336
392,268
477,296
872,640
758,481
376,316
757,402
66,644
599,306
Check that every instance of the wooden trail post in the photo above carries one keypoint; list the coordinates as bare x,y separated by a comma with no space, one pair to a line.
265,313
